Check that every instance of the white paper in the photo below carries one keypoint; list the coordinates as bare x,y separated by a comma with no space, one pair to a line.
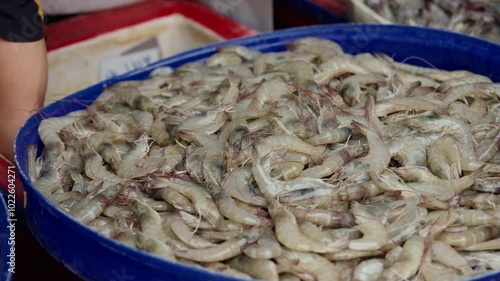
257,14
119,65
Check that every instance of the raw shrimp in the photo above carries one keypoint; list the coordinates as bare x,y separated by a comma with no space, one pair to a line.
273,143
229,209
267,247
375,235
288,170
124,233
302,71
478,217
196,222
219,235
314,232
351,87
362,191
408,151
86,211
289,234
135,163
242,51
487,184
308,164
376,161
333,68
263,269
288,277
222,268
149,221
173,156
408,262
179,201
159,131
446,255
228,249
437,272
322,48
333,162
487,148
202,202
323,217
237,184
443,158
417,104
299,263
470,90
482,201
369,270
49,128
436,222
331,136
446,125
349,254
490,245
265,61
470,237
184,233
224,59
155,247
273,188
207,122
118,212
487,259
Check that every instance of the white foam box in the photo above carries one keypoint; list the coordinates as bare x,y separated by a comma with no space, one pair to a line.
88,49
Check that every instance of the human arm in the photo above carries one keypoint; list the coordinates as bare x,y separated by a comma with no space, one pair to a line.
23,80
23,67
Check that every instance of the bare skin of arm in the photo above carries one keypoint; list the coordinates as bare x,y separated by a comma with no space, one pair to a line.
23,82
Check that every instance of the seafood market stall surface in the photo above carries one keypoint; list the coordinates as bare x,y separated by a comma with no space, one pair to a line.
444,50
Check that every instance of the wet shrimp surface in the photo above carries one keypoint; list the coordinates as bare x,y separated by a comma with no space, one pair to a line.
306,164
480,18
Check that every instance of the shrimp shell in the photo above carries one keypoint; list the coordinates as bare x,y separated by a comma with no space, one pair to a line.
201,199
228,249
289,234
258,268
408,262
319,267
375,235
470,237
267,247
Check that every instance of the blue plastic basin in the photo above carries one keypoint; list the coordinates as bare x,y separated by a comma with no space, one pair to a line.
94,257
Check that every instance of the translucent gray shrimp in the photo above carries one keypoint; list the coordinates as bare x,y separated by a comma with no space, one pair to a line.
201,199
408,262
263,269
237,184
375,234
226,250
267,247
87,210
289,234
229,209
300,263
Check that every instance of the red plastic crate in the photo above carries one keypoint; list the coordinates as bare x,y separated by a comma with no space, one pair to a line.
70,31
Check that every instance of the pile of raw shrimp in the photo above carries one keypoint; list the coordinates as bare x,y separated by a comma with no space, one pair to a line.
480,18
305,164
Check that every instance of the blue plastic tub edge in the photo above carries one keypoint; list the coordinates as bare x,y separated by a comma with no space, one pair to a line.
99,258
